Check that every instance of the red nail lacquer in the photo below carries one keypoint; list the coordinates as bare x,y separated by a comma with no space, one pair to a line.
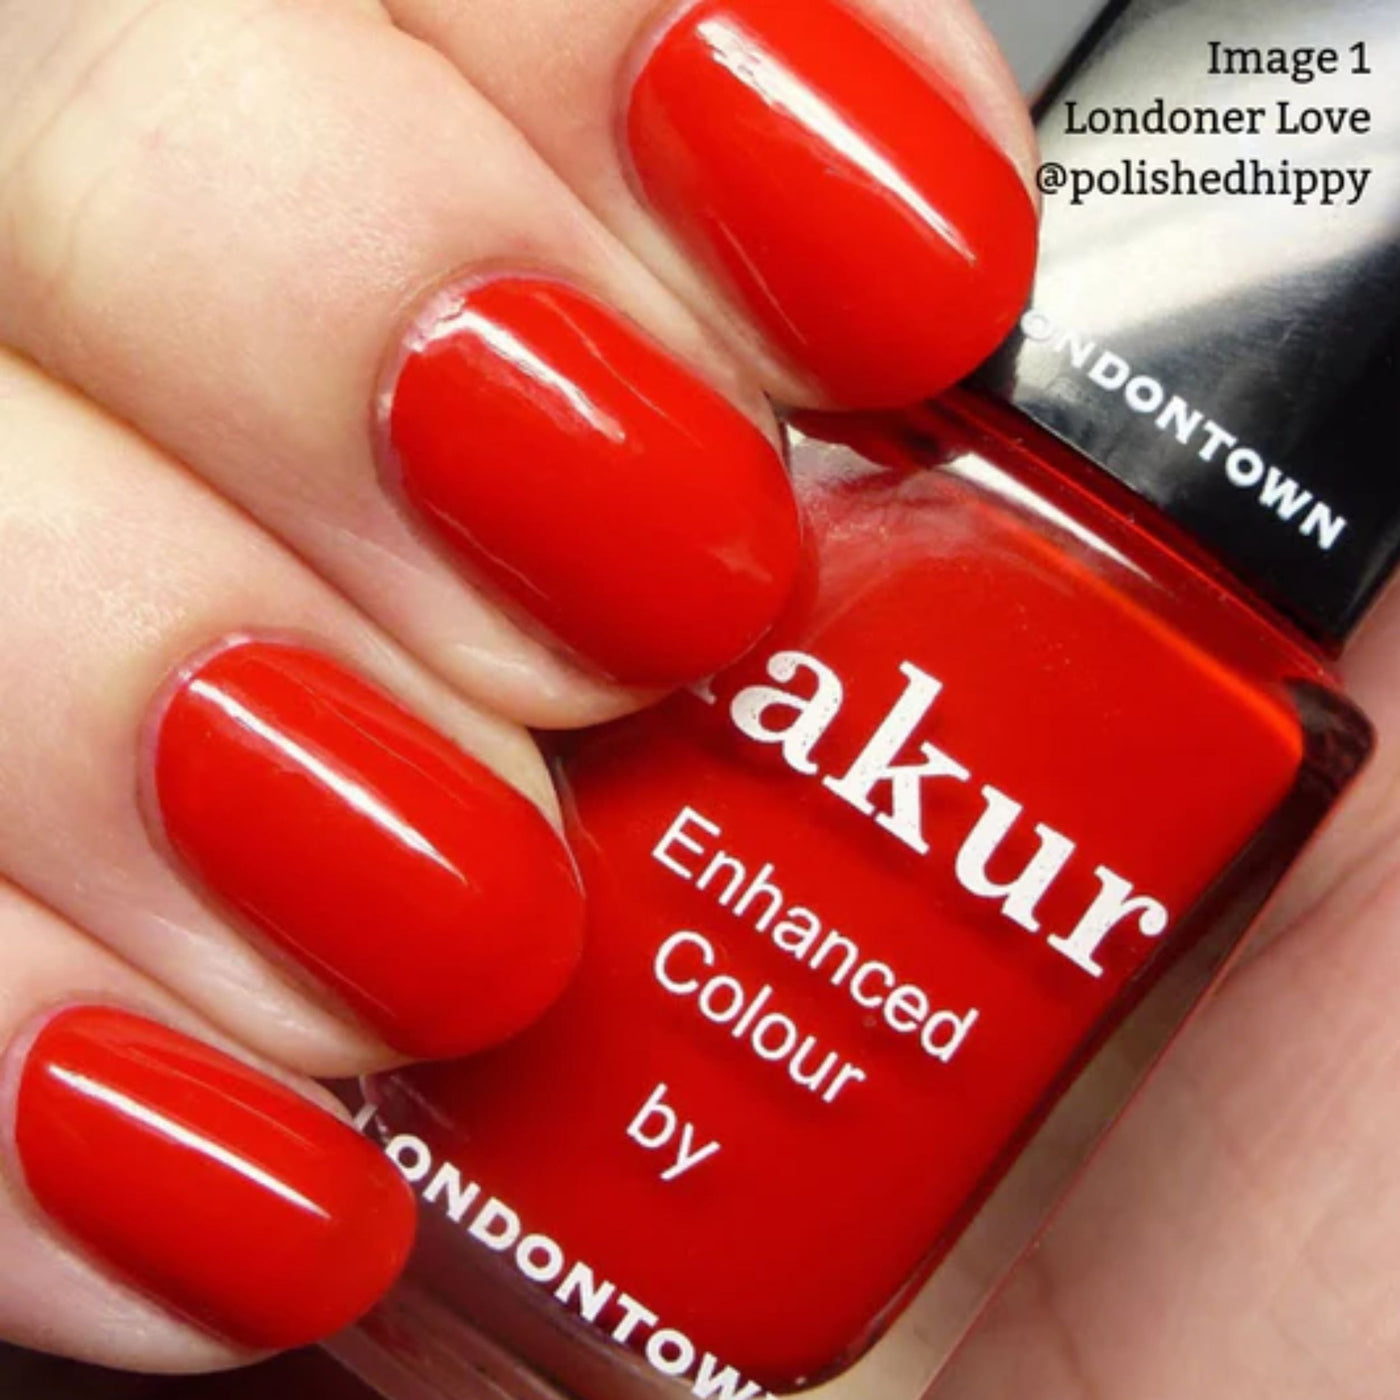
600,487
226,1197
424,893
887,921
837,189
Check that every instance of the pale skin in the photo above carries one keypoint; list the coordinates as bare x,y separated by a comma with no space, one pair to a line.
213,216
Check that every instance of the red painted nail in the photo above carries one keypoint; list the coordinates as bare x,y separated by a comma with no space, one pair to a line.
433,899
624,505
220,1193
838,189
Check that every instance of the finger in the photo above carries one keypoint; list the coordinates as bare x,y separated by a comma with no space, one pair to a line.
163,1205
850,180
225,220
1239,1234
335,854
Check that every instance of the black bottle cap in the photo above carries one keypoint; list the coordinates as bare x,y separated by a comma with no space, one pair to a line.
1231,354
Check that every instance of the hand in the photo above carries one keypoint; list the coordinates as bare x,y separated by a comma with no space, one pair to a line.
361,409
1237,1235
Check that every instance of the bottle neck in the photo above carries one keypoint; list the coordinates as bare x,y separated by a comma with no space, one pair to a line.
1084,489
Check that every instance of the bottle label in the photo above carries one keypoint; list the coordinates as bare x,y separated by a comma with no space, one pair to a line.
860,909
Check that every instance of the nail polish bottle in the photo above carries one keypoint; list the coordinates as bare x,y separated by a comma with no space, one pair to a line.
888,921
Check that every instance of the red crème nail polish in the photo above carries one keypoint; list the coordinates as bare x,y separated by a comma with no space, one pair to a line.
424,893
888,920
601,488
860,910
226,1197
838,188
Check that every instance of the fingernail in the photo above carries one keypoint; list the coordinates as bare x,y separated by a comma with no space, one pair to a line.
229,1199
594,483
434,900
838,189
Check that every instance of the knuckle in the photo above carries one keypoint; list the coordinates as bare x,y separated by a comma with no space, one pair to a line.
58,62
97,107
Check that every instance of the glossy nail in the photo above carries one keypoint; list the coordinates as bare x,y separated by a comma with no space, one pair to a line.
218,1192
434,900
838,189
599,487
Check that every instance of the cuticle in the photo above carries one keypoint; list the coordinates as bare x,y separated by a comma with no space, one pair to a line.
14,1062
419,314
15,1058
734,331
175,680
665,16
299,980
